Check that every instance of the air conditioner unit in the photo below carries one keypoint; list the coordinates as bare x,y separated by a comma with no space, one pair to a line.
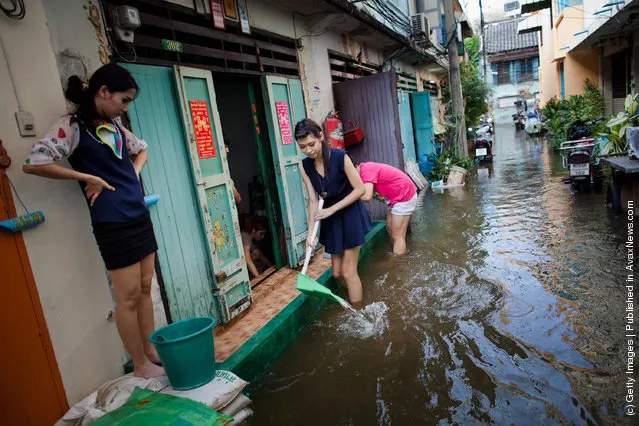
420,30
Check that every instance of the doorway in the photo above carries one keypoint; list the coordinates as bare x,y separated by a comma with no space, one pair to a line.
242,115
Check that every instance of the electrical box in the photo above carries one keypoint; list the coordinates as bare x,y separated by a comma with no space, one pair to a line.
25,123
126,20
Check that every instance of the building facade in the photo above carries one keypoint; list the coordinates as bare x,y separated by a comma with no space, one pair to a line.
585,39
513,63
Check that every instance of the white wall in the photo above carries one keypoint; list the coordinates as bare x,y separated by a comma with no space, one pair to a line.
68,271
268,17
510,91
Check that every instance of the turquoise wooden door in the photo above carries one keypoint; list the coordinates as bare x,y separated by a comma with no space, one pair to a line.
183,256
284,103
406,126
423,123
214,189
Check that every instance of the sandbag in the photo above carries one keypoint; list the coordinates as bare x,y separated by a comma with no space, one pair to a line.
237,405
241,417
146,407
217,393
108,397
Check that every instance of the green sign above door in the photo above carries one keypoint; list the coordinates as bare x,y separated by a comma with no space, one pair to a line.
172,45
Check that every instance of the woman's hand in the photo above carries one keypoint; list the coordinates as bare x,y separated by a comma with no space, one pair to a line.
323,214
311,242
94,188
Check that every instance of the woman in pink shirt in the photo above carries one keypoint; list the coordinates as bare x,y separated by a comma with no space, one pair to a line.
387,184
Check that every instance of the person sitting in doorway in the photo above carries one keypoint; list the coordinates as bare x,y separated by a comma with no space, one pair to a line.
392,186
236,193
254,232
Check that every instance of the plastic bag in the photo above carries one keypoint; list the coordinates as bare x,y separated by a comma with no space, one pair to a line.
578,130
146,407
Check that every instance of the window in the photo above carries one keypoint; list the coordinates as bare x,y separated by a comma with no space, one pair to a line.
563,4
527,70
510,6
503,73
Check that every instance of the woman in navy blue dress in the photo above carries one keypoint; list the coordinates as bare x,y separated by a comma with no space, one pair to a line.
107,160
330,173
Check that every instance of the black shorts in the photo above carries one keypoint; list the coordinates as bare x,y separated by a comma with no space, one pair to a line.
124,244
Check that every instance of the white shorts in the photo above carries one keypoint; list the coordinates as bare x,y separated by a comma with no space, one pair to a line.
406,208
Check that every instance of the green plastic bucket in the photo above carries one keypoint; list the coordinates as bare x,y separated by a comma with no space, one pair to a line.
187,351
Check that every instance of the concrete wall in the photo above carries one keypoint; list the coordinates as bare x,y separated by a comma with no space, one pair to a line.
68,270
508,92
567,24
578,65
548,74
581,65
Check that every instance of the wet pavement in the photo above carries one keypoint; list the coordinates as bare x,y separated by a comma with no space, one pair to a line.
507,309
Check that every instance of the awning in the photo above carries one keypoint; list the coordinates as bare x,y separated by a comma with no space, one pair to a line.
529,6
623,17
530,25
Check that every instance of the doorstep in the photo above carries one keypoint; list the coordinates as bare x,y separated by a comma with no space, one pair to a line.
250,342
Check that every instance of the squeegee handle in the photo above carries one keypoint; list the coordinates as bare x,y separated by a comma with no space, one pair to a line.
309,249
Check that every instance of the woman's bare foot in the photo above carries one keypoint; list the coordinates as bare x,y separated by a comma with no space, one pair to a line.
148,371
154,358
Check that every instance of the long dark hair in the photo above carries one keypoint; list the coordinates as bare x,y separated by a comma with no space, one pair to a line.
309,127
113,76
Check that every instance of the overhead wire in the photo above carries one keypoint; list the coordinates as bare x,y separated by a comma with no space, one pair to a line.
17,10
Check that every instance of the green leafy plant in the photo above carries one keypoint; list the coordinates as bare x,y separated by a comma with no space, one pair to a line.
445,162
559,115
615,137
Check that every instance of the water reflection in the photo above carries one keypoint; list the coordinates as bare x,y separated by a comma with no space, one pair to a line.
502,311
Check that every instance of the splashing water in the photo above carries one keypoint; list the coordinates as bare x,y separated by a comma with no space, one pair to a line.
369,322
348,306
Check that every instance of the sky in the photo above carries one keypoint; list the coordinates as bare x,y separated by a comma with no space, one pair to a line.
491,7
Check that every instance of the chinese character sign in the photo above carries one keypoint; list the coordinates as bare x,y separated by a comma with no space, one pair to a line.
202,129
285,122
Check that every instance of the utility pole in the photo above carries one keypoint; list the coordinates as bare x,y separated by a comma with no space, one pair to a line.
454,75
483,40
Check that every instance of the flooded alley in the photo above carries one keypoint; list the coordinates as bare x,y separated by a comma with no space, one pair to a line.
507,309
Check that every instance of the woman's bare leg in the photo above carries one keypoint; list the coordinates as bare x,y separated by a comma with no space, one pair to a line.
128,293
399,226
349,271
145,307
338,273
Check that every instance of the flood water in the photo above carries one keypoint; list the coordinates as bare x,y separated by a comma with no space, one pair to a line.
507,309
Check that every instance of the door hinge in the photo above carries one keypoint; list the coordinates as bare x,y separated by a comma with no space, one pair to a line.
220,277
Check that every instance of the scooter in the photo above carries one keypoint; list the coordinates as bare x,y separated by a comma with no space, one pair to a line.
579,155
533,124
486,121
519,117
483,145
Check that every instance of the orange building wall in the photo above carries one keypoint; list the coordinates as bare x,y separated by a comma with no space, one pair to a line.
581,65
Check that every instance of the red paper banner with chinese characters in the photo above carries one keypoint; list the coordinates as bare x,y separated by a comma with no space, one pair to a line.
217,13
285,122
202,129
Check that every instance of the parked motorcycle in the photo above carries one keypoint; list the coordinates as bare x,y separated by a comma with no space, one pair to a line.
487,121
579,155
519,117
483,145
533,125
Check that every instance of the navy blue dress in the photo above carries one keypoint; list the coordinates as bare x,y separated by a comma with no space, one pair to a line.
348,227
